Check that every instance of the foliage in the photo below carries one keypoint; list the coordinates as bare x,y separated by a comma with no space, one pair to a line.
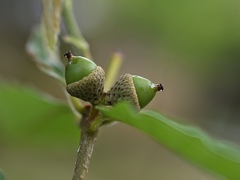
27,116
220,157
1,175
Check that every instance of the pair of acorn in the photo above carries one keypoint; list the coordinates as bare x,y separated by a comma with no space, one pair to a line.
85,80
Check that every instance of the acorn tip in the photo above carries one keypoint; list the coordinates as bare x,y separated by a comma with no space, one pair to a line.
159,87
68,55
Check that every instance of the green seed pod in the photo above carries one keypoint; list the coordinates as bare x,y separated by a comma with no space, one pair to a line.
135,89
85,80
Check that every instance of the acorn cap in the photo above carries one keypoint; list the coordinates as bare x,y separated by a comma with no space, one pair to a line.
135,89
89,88
123,90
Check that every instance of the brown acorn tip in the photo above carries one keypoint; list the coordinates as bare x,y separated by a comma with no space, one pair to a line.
68,55
159,87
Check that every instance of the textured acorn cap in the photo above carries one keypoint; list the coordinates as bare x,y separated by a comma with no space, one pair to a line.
123,90
90,87
135,89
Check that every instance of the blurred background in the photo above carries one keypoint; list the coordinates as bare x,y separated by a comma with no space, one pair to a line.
191,47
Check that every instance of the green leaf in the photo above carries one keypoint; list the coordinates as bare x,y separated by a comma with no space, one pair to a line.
46,60
26,115
51,18
43,44
222,158
1,175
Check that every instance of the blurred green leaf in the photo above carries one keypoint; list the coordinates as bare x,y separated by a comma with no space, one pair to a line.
51,18
43,43
1,175
220,157
26,115
46,59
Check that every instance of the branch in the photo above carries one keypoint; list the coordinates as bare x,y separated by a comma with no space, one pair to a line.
87,142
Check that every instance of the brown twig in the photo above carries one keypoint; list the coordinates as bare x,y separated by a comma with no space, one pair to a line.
87,142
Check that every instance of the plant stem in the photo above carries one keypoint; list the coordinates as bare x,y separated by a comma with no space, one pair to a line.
113,70
84,154
75,36
87,142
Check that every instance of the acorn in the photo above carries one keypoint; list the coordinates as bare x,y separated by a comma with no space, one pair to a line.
85,80
137,90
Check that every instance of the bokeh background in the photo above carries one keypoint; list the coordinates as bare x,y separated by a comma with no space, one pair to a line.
191,47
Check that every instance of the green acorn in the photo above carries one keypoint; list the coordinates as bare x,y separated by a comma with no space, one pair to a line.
85,80
135,89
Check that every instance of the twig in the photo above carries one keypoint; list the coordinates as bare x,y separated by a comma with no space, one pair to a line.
87,142
75,36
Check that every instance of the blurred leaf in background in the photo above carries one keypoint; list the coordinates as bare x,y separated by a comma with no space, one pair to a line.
36,131
46,59
28,117
1,175
43,43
